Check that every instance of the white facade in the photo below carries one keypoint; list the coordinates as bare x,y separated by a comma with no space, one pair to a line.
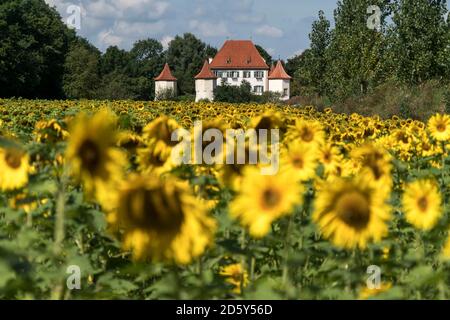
204,89
281,86
258,79
163,86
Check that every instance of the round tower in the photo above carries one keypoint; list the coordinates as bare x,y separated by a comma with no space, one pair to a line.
205,84
280,81
165,84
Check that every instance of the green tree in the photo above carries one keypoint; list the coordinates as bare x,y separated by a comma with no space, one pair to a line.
146,61
114,60
316,62
33,44
356,53
421,47
234,94
266,56
186,56
81,75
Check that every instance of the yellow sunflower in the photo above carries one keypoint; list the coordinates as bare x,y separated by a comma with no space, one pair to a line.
299,161
309,132
439,127
158,136
422,204
351,212
263,199
14,168
235,275
375,164
92,155
161,220
330,157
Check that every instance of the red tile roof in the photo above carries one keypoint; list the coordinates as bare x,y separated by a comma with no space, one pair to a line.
279,73
205,73
166,75
238,54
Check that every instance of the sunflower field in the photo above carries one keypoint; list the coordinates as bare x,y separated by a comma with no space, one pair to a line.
91,185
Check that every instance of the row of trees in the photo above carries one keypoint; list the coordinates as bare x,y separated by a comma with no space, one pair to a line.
41,58
120,74
410,46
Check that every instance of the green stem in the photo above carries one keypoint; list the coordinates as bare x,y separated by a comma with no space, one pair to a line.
59,222
286,252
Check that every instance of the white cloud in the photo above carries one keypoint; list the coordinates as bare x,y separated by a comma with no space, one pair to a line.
108,38
269,31
165,41
209,29
127,28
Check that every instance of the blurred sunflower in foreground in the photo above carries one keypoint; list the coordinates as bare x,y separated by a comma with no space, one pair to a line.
351,212
235,275
14,168
422,204
92,155
263,199
299,161
162,220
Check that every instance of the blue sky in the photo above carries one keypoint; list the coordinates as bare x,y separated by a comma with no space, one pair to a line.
281,27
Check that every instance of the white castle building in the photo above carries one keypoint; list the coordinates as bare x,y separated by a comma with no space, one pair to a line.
236,61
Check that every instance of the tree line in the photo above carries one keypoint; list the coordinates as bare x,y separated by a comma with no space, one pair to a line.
40,57
410,46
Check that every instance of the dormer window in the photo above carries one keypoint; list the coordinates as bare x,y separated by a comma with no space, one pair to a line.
228,60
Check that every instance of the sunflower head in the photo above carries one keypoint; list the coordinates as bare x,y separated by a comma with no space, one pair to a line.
422,204
351,212
307,131
300,160
91,153
14,168
439,127
263,199
161,219
236,275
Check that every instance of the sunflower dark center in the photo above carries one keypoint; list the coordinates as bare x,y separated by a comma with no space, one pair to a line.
13,159
298,162
307,135
354,210
153,210
441,127
271,198
90,155
423,203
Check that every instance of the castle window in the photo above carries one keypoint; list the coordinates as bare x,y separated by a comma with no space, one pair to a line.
258,89
247,74
259,74
234,74
285,92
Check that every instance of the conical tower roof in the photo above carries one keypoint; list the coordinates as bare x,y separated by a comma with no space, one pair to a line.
206,72
166,74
